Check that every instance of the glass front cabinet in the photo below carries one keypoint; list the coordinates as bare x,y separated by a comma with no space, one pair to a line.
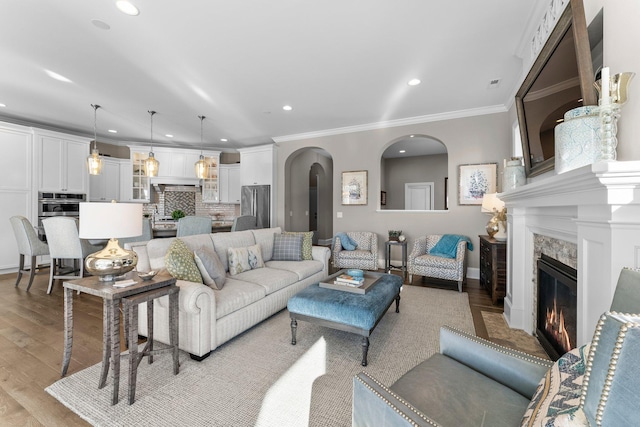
141,182
210,185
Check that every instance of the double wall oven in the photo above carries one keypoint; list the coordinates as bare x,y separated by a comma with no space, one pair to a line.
57,204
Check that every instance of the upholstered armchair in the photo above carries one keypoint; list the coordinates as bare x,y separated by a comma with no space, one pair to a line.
365,254
423,263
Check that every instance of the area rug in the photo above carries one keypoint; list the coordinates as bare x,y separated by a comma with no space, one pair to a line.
500,333
260,379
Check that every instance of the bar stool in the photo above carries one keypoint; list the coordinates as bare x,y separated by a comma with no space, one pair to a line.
130,310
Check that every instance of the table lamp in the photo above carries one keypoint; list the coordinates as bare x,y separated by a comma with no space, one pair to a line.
496,227
110,221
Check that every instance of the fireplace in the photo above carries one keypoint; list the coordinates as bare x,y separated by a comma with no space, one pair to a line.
557,306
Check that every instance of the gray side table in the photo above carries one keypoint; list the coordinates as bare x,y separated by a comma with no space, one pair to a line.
111,297
387,257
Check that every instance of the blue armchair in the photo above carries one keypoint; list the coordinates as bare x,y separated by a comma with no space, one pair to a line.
474,382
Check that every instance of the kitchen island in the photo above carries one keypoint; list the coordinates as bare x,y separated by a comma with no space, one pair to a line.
168,228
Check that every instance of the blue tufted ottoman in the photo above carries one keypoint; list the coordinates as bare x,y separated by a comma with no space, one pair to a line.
346,311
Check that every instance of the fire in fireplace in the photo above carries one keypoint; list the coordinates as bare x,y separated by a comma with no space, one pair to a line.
557,302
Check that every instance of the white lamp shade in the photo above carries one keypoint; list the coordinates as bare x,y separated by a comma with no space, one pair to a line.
491,203
110,220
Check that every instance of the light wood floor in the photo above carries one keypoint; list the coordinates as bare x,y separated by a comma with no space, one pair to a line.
31,345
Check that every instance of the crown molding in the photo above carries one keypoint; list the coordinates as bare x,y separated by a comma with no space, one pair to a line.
394,123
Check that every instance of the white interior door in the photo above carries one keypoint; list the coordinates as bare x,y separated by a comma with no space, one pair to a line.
418,196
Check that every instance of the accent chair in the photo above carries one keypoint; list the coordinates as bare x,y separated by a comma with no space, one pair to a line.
422,263
364,256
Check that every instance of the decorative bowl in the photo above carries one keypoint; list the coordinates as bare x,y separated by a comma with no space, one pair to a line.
355,273
146,276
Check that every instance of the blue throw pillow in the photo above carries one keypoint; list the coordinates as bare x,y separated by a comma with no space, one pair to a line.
346,242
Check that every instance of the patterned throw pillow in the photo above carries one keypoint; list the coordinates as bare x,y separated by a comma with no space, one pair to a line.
180,262
210,267
557,398
244,259
307,243
287,247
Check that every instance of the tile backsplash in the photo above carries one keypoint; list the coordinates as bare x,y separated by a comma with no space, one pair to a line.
188,199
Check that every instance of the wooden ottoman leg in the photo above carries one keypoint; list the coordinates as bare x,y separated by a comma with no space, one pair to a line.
365,350
294,326
398,304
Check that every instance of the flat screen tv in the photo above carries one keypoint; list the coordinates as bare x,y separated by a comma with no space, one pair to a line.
560,79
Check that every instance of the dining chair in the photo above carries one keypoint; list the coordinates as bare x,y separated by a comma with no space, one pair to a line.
147,234
65,243
244,222
28,245
190,225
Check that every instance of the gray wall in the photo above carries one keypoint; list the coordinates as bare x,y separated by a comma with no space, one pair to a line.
398,171
479,139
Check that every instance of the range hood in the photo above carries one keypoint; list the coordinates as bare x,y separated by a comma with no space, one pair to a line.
160,182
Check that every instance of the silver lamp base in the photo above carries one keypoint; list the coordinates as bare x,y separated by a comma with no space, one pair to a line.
110,262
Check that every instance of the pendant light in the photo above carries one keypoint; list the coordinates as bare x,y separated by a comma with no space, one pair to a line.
94,161
151,165
202,168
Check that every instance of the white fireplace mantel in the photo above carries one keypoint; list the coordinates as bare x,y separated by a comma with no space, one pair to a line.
596,207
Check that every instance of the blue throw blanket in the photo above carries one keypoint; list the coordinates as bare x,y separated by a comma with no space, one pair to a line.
447,246
345,242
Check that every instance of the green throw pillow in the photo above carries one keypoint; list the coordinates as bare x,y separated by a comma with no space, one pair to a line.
180,262
307,243
244,259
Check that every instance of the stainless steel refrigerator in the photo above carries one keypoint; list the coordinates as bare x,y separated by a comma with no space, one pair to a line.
255,200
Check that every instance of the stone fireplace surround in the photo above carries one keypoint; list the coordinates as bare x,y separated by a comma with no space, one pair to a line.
595,207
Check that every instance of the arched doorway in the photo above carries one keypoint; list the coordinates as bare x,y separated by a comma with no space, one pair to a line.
308,193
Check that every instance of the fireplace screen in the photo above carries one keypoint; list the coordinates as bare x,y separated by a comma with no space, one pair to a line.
557,301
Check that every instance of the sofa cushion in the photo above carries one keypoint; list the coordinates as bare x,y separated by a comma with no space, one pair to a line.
235,239
180,263
235,295
453,394
558,394
302,269
270,279
287,247
264,238
437,262
210,267
244,259
307,243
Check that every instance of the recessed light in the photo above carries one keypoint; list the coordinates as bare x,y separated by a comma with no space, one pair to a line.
287,108
413,82
101,24
113,131
57,76
224,139
411,136
2,105
169,135
402,151
127,8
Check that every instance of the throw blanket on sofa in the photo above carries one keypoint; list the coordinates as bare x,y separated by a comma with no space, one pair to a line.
447,246
345,242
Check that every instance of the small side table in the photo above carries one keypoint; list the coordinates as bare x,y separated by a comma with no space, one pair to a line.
111,297
387,257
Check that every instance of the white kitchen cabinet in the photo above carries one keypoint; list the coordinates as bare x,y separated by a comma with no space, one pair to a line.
62,163
257,165
230,183
106,186
210,185
140,182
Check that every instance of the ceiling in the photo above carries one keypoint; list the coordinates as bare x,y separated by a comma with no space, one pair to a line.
338,63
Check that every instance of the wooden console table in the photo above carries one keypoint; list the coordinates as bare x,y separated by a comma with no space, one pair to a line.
493,267
111,297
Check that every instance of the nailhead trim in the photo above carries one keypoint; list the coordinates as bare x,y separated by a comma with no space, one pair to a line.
502,349
604,396
394,407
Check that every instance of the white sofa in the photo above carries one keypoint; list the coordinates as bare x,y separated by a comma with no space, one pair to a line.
209,317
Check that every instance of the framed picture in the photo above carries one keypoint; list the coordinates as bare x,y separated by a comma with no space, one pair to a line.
476,180
383,198
354,188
